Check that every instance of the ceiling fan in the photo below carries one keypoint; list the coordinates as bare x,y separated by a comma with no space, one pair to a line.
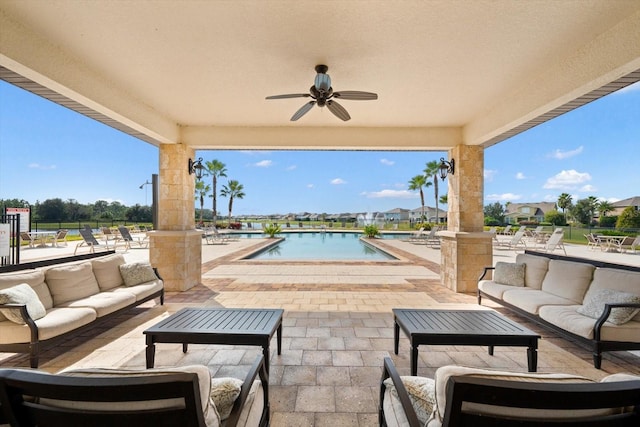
322,94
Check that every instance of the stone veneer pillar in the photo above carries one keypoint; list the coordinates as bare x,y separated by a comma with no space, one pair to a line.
176,247
465,248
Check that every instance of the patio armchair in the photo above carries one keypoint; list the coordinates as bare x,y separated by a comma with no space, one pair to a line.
181,396
461,396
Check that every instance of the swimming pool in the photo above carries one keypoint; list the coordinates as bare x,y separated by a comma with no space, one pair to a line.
329,246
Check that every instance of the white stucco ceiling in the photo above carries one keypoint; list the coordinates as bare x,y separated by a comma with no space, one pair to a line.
197,72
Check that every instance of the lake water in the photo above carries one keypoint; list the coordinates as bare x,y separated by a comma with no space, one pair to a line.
325,246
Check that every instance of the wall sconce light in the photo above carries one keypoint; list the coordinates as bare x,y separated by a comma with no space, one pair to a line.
447,168
196,167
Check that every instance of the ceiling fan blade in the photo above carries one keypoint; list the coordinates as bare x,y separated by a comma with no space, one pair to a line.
355,95
290,95
338,110
303,110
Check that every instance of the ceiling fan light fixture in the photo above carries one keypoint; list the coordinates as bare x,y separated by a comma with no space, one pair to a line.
323,82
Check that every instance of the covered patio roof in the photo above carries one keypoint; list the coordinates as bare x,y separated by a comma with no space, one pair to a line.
197,72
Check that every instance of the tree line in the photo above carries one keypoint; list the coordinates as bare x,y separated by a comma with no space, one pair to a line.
583,212
58,210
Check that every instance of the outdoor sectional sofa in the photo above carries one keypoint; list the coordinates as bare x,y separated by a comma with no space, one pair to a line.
593,303
39,307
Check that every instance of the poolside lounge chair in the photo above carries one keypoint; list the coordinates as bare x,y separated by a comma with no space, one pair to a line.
128,239
88,239
628,243
506,231
60,238
515,242
416,235
592,241
26,237
555,241
213,237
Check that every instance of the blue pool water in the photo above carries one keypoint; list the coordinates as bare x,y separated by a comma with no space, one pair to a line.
328,246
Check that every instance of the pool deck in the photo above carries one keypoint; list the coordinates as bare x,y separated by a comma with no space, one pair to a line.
338,327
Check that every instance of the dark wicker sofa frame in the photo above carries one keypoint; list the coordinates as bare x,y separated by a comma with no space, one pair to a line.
35,346
597,345
544,396
23,395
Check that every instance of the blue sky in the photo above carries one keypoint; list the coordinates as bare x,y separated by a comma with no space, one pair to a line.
47,151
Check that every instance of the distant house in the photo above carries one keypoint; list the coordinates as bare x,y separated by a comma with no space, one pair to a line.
529,212
621,205
397,214
430,213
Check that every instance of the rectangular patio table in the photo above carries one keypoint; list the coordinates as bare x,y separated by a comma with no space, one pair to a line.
462,327
234,326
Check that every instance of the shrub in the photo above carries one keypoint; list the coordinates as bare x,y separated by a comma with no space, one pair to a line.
271,230
488,220
554,218
371,231
629,218
608,221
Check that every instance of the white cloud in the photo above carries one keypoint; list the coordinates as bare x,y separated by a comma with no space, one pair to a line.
387,162
588,189
567,180
506,197
559,154
292,167
520,175
489,174
264,164
550,198
338,181
41,167
390,194
309,185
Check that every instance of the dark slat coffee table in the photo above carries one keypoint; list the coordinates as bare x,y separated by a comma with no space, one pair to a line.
234,326
462,327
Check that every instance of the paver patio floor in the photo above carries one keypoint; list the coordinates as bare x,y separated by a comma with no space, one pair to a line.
338,327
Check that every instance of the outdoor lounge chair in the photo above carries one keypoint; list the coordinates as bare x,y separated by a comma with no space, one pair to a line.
461,396
515,242
88,239
213,237
128,239
507,231
555,241
634,245
592,241
181,396
60,239
26,237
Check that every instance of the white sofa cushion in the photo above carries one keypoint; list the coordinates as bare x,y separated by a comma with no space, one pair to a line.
212,419
497,290
71,282
568,318
531,300
509,273
104,302
34,278
56,322
535,271
107,271
568,279
619,280
140,291
22,294
443,374
594,305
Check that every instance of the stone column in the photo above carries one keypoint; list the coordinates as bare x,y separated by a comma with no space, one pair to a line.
466,249
176,247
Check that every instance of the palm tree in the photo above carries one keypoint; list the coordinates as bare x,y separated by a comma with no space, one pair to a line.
432,170
216,169
444,199
604,207
202,190
564,202
233,190
593,207
416,183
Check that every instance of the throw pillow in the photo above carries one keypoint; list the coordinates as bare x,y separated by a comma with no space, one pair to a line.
224,392
21,294
422,393
508,273
137,273
594,306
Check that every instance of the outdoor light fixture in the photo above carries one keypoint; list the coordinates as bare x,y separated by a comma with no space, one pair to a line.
446,168
196,167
